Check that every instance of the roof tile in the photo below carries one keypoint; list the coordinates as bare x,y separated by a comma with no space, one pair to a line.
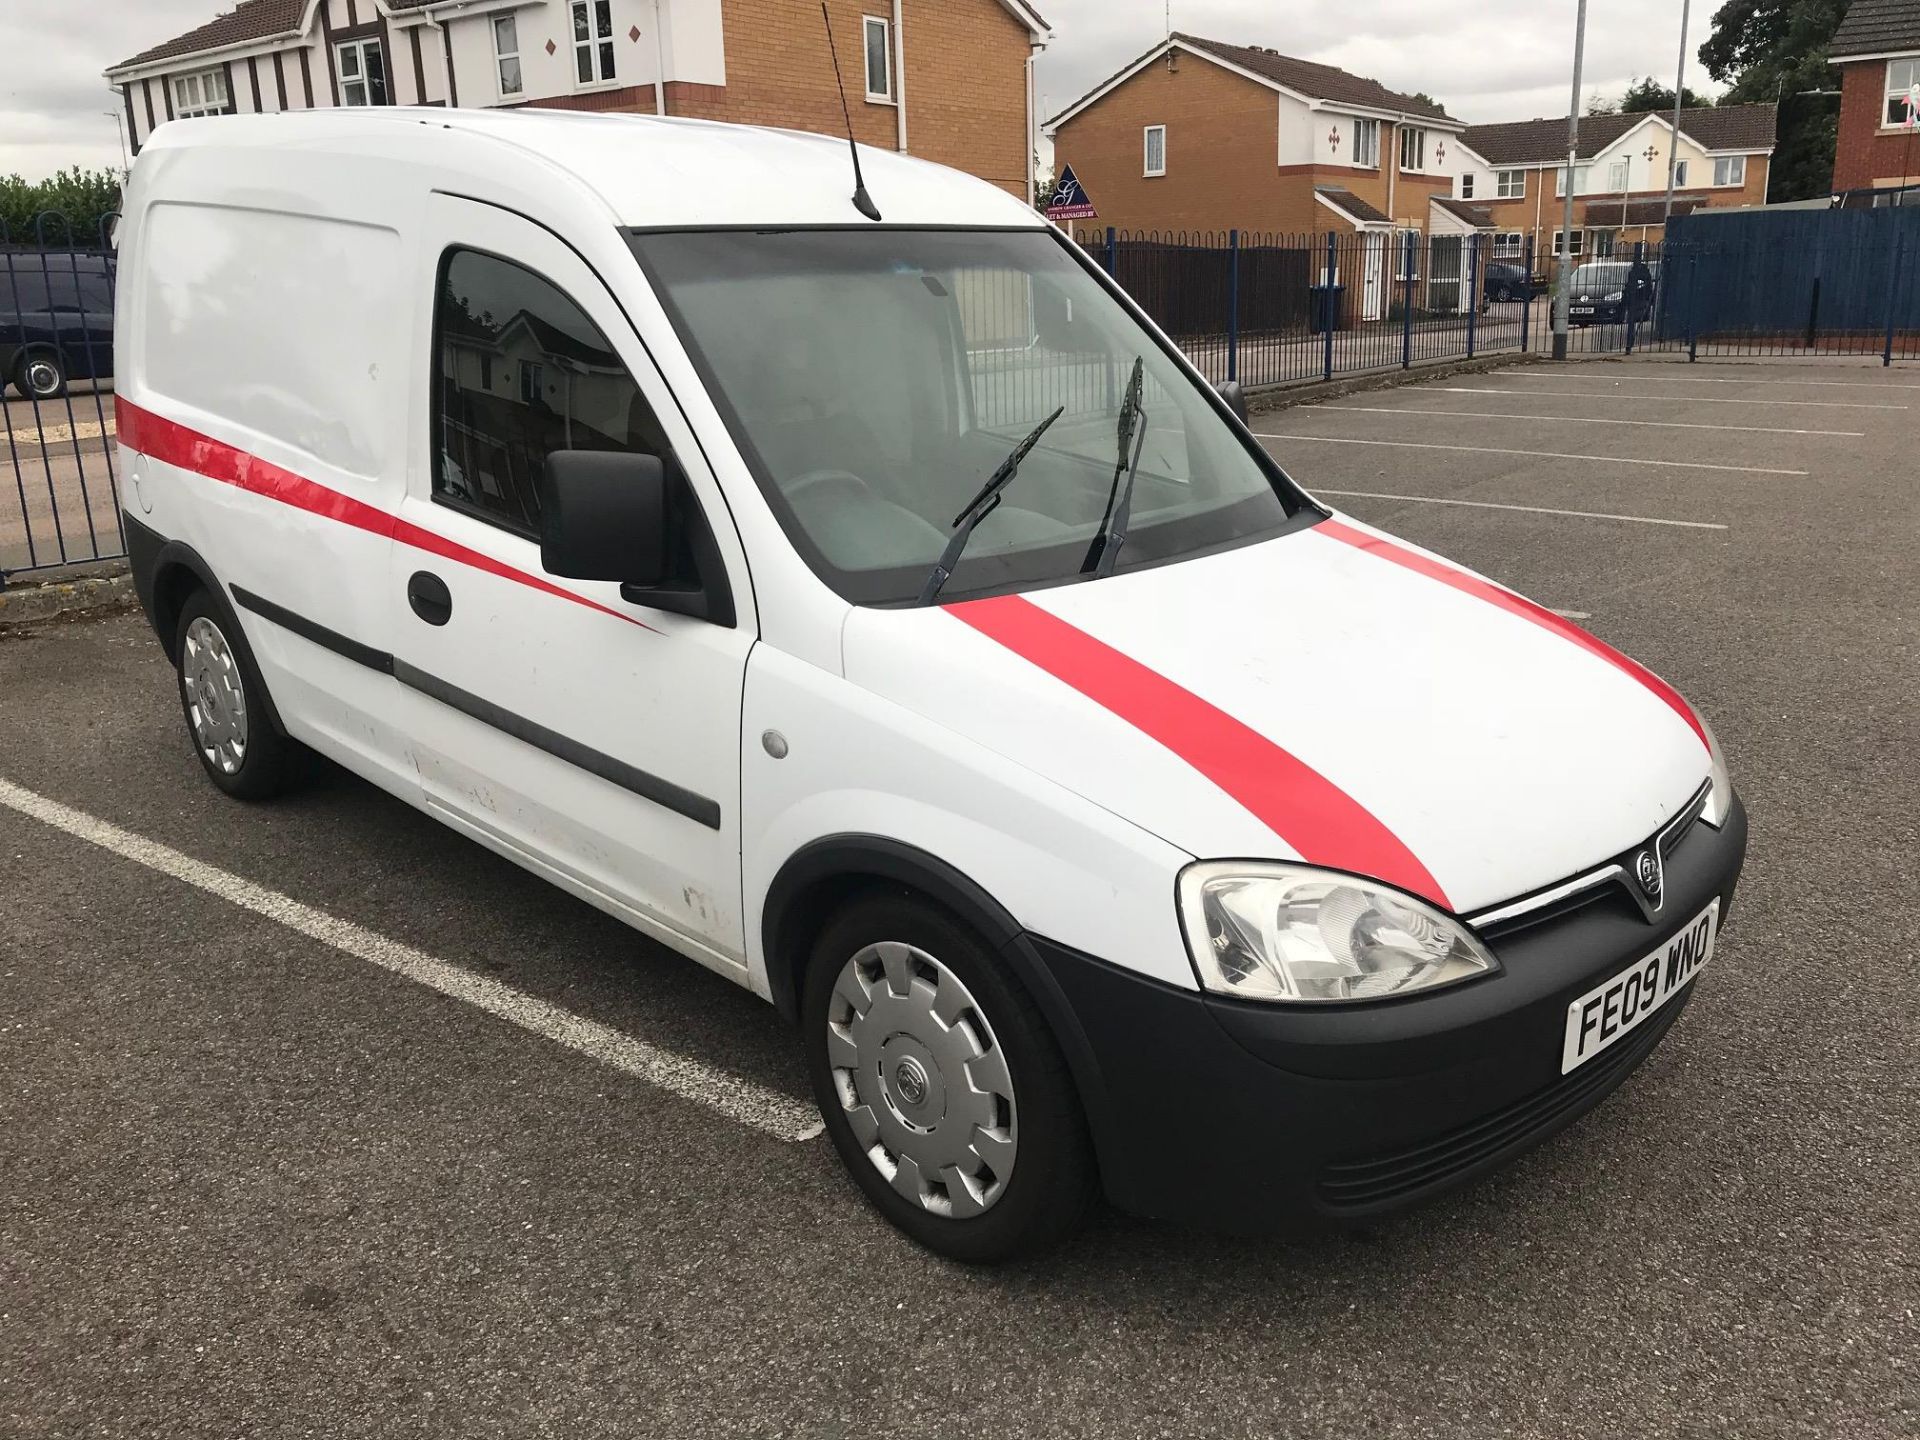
249,20
1318,82
1873,27
1713,127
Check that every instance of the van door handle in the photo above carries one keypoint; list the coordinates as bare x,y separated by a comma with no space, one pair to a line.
429,597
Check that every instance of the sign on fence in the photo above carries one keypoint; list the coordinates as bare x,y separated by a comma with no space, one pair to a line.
1069,200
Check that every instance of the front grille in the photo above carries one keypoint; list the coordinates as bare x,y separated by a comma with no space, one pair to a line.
1401,1175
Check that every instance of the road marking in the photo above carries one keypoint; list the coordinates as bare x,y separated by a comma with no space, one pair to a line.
1667,399
1529,509
1594,420
1574,614
738,1099
1705,380
1534,454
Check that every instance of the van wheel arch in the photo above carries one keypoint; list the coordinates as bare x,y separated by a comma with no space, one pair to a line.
179,573
822,878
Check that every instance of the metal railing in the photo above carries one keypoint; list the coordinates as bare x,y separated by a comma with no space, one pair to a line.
56,357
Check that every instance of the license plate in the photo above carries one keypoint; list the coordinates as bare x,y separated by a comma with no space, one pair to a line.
1583,309
1602,1016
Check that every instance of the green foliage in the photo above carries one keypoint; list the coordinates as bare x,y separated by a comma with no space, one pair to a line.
1774,49
1649,94
80,197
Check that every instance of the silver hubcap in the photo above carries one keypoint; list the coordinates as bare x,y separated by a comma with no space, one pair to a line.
922,1080
41,377
216,703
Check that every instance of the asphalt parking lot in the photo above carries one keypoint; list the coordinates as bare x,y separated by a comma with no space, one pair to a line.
259,1179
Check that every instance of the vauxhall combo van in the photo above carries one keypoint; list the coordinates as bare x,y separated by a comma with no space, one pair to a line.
870,604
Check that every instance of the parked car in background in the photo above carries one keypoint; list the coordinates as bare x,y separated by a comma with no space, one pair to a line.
56,320
1509,280
1611,292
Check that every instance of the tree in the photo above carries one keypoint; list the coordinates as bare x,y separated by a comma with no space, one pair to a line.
1598,104
1649,94
79,199
1772,50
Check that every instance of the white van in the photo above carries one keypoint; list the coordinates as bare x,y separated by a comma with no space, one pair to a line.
885,615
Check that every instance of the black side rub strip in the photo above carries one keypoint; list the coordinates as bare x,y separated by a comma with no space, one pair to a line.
665,793
310,630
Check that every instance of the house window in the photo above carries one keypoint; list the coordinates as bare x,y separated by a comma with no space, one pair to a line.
1603,243
1616,175
506,53
1413,148
1902,76
1406,250
592,41
1679,174
873,31
562,387
202,93
1559,243
1366,144
1510,184
1580,174
1156,150
1509,244
363,73
1466,186
1730,170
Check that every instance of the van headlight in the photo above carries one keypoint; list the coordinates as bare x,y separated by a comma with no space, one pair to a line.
1272,931
1719,782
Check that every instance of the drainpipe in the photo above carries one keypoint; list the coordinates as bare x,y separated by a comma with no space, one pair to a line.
446,49
899,82
1392,161
1033,142
659,65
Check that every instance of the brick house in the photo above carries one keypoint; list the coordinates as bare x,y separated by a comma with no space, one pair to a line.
1877,51
948,80
1200,135
1518,171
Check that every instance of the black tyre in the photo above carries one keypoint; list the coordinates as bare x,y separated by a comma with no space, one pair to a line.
224,702
41,374
941,1084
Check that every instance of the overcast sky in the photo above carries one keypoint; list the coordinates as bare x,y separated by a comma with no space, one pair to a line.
1482,59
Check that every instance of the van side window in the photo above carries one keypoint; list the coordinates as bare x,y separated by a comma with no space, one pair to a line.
520,372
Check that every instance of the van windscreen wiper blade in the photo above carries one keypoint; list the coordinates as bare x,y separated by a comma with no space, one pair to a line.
978,508
1104,553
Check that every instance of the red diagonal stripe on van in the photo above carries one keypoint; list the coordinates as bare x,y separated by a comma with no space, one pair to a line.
1317,818
174,444
1515,605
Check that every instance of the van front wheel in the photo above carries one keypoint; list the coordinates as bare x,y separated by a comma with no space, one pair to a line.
940,1084
223,699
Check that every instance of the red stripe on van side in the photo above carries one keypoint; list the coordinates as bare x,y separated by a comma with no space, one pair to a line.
1514,605
174,444
1317,818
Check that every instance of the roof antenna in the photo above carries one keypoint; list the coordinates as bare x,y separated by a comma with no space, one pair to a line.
862,201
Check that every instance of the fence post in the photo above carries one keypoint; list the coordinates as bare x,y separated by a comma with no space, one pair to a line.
1893,291
1693,308
1471,285
1110,252
1233,304
1327,313
1813,314
1406,306
1526,295
1639,259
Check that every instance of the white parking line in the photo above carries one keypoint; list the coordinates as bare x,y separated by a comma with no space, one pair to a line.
1533,454
1529,509
1594,420
1707,380
1573,614
738,1099
1670,399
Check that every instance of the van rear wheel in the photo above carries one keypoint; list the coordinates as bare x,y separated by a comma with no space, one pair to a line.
940,1084
223,699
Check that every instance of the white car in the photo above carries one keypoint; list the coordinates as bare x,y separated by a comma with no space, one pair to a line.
886,616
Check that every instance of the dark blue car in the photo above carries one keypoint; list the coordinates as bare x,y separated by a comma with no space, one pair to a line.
56,321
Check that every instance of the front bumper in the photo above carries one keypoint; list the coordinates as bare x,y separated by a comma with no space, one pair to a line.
1246,1117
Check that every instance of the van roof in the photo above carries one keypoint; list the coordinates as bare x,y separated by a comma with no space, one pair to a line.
649,170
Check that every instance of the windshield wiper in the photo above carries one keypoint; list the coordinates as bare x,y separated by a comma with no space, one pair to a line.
978,508
1104,553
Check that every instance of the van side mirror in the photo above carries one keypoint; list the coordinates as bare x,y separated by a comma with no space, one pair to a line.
630,518
603,516
1236,398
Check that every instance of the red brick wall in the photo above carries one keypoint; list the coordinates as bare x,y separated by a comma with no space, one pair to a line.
1867,154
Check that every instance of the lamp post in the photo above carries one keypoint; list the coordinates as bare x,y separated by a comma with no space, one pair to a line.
1673,148
1562,293
120,129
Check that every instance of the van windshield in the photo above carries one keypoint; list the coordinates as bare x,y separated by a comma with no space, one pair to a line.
875,378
